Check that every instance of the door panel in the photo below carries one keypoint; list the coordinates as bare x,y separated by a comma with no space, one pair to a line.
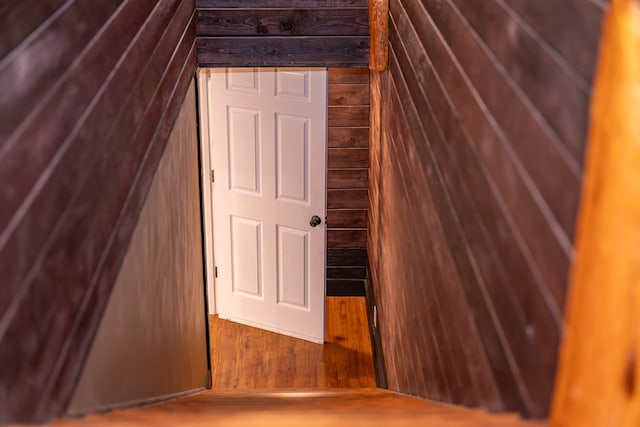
244,149
268,132
246,258
293,158
293,267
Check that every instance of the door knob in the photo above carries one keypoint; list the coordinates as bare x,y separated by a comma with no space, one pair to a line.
315,221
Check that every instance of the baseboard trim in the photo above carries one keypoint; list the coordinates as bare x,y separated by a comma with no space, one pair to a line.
132,403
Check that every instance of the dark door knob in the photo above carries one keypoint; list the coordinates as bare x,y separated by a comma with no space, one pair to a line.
315,221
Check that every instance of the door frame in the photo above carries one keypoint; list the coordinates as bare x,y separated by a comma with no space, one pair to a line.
205,177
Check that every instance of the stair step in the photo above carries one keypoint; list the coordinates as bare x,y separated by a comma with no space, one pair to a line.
310,407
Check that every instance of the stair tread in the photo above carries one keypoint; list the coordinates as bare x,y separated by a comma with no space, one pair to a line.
311,407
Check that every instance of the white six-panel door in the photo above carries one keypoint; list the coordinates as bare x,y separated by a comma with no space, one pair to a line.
268,133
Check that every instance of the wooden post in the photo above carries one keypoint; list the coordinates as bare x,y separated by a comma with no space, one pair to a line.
379,34
598,382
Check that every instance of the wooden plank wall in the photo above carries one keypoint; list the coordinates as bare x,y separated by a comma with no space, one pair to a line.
255,33
478,133
89,94
347,180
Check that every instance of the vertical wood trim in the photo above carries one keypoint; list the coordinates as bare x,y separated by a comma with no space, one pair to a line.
597,381
379,34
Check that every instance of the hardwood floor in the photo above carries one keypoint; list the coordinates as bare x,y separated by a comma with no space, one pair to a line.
248,358
357,407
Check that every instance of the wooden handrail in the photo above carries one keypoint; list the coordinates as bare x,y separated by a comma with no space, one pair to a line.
379,34
598,382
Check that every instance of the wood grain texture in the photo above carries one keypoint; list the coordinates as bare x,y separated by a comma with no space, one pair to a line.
76,96
348,75
346,273
347,218
348,94
309,407
245,357
577,43
379,22
561,100
558,141
518,308
347,257
474,171
346,238
347,178
282,22
48,60
299,33
312,4
294,51
599,366
348,116
19,18
347,199
347,175
348,158
347,137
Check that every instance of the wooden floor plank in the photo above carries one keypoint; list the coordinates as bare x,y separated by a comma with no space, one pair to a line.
246,357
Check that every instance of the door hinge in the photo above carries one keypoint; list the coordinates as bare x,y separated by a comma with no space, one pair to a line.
213,176
216,272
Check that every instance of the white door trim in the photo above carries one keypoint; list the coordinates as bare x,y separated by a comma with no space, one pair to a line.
205,168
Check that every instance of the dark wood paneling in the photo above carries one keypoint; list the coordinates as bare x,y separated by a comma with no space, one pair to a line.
282,22
346,238
556,143
347,218
97,112
47,59
347,176
442,270
255,33
56,120
172,92
577,42
554,89
351,116
523,211
203,4
339,51
347,257
19,18
346,137
475,165
346,272
348,75
345,288
342,158
348,94
347,199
